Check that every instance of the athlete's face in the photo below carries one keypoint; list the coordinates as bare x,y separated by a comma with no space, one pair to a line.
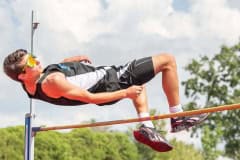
31,66
30,61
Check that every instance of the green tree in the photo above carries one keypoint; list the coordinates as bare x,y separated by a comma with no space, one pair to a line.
53,146
87,145
79,144
11,143
181,151
216,81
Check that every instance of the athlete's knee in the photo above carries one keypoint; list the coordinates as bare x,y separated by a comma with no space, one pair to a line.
164,61
171,61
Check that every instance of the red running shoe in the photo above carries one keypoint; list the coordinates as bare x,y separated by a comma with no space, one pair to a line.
182,123
149,136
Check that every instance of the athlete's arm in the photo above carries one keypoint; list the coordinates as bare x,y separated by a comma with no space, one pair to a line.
78,59
60,87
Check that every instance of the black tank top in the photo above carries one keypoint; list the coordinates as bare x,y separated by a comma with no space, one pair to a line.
107,84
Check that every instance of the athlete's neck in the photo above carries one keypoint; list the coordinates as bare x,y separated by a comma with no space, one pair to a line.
31,82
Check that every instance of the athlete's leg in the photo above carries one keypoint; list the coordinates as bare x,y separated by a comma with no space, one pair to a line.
146,133
166,64
141,103
144,69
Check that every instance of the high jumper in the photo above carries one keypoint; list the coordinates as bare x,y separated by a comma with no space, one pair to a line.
75,81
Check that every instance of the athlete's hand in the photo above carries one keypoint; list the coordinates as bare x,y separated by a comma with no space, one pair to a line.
82,58
85,59
134,91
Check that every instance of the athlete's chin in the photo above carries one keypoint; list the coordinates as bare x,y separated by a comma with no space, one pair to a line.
39,67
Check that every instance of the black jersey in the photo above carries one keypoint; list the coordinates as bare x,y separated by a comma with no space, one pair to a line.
93,79
97,79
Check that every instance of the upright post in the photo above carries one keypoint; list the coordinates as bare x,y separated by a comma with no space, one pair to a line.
29,138
29,117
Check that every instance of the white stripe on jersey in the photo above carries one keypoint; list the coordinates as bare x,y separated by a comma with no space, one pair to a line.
87,80
123,70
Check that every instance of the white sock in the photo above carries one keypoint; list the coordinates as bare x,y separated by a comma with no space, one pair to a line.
146,123
175,109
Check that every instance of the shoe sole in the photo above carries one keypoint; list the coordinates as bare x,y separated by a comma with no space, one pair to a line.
157,146
185,128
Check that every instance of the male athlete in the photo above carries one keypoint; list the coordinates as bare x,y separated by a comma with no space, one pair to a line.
75,82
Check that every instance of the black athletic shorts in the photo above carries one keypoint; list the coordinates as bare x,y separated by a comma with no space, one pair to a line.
136,72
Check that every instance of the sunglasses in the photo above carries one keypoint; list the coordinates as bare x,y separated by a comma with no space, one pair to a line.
31,62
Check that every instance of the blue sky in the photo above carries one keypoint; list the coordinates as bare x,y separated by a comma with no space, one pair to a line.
110,32
181,5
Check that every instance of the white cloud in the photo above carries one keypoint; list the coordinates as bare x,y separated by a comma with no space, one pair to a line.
204,19
78,18
166,26
216,19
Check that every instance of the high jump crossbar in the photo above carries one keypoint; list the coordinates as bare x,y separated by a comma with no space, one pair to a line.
132,120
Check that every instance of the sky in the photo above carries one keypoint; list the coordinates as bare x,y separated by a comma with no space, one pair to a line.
110,32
